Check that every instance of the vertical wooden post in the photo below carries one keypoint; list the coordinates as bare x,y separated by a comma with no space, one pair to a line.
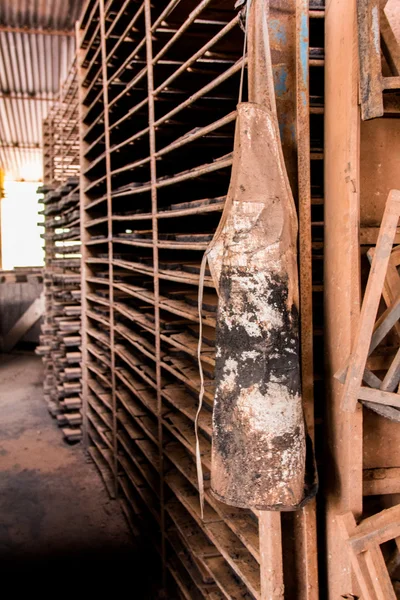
271,561
156,281
305,521
304,208
341,278
110,231
84,238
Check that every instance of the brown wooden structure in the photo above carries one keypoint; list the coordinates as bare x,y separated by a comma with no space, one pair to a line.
60,339
157,86
361,453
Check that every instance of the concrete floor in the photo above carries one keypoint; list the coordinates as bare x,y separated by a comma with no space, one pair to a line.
56,518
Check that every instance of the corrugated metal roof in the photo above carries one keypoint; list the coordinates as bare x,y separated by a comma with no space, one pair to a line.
40,14
32,65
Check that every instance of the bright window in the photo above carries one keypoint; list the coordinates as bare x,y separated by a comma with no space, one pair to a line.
20,234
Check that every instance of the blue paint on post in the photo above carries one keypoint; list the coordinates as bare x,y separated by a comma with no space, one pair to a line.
277,31
280,78
304,50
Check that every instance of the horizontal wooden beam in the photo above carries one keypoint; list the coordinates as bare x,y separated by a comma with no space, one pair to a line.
369,235
382,481
36,31
391,83
379,396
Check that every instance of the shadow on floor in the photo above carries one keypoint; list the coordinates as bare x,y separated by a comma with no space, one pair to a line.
58,527
102,569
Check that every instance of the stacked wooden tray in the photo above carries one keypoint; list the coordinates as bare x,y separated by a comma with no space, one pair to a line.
60,195
60,340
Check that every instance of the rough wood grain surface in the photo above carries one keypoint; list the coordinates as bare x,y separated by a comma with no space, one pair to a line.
369,50
371,301
341,281
363,546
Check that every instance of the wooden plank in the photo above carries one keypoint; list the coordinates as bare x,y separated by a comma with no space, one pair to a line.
305,527
341,264
391,83
226,579
24,323
372,297
103,468
379,574
385,323
369,51
238,520
271,562
369,235
379,396
391,288
392,377
390,45
346,526
234,552
378,482
376,530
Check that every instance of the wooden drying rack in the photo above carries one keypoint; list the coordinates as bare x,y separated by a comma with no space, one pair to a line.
139,397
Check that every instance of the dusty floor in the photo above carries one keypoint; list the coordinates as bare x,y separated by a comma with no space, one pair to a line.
55,515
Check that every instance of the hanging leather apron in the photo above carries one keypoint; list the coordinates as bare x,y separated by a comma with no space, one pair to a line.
259,442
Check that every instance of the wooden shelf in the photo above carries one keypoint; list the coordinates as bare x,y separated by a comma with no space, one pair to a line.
157,131
60,197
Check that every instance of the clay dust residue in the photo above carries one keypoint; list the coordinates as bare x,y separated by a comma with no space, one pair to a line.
31,451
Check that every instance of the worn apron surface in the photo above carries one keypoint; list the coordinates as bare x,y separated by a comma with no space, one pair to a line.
259,437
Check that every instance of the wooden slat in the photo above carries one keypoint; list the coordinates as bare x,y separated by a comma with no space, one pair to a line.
272,587
377,482
370,59
363,543
390,45
372,296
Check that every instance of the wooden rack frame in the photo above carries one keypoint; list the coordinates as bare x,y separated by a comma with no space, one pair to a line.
361,452
158,89
60,339
375,32
61,134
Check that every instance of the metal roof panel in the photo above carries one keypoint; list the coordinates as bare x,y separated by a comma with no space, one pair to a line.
37,48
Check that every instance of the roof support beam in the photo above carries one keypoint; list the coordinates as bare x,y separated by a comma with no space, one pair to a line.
38,31
16,96
20,146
